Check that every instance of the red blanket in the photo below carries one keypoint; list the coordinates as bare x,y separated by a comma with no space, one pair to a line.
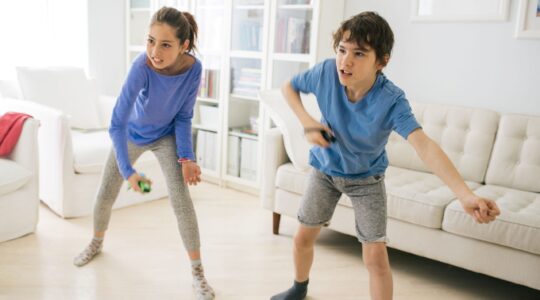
11,125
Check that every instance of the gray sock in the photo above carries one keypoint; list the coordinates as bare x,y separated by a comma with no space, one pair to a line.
202,289
89,252
297,292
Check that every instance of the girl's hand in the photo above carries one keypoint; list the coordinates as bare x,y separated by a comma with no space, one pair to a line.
191,172
134,181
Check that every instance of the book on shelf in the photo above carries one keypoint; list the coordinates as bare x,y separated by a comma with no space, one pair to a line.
209,87
248,129
248,159
250,35
233,154
292,35
206,149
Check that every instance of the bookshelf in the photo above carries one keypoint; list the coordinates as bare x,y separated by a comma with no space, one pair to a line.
245,46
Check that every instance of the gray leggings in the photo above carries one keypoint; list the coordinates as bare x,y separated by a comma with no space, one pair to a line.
111,181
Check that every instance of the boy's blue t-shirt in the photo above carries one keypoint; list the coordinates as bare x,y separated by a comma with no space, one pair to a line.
151,106
362,128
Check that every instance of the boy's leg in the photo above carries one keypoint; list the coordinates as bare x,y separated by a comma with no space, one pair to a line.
316,210
165,151
375,258
368,197
304,241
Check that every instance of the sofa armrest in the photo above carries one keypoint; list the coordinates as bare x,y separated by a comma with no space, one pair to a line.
54,140
25,152
274,157
105,108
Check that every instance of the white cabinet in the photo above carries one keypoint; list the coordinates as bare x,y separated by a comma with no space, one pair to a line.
245,46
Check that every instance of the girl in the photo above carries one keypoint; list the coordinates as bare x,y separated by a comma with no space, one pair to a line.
154,113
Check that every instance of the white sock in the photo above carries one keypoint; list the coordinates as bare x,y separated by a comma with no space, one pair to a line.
202,289
89,252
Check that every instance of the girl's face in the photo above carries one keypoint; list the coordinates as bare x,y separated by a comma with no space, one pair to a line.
357,66
163,48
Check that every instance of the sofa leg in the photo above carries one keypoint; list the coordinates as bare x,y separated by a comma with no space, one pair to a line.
276,218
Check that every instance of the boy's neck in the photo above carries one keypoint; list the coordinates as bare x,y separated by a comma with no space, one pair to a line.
356,93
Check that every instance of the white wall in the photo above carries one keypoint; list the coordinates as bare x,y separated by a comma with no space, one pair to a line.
478,64
107,46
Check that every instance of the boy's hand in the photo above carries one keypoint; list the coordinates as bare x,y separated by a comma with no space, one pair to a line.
134,181
314,136
482,210
191,172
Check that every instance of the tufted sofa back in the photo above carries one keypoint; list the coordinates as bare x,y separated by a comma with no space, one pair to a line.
515,161
465,134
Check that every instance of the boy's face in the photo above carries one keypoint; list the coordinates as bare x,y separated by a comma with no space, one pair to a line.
163,47
357,66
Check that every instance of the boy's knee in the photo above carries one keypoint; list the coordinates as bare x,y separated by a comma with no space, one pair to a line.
304,240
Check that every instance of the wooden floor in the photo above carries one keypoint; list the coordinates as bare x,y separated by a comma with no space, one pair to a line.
143,258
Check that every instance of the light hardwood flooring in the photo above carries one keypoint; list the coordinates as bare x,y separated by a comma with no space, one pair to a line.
143,258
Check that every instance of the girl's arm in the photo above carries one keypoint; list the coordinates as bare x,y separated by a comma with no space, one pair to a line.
124,105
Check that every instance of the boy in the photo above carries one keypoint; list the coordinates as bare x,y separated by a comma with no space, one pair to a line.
360,107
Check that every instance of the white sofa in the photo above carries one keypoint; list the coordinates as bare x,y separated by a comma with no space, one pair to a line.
497,154
74,146
19,200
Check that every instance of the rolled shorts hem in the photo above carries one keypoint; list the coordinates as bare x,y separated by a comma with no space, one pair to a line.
383,239
314,225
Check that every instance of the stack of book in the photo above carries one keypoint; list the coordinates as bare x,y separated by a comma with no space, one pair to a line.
246,81
242,157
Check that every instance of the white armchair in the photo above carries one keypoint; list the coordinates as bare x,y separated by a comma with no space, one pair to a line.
71,158
19,200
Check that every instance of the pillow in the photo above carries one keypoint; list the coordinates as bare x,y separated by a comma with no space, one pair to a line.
296,145
63,88
10,89
12,177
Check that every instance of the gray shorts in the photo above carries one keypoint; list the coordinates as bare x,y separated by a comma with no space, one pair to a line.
368,197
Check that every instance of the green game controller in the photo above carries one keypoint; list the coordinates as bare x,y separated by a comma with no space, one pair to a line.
145,187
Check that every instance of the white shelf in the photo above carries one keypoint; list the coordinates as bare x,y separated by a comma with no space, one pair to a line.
297,6
249,7
210,7
244,135
202,127
292,57
246,54
140,9
207,100
245,97
241,181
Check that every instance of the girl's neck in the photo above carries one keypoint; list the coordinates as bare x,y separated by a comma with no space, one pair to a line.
181,65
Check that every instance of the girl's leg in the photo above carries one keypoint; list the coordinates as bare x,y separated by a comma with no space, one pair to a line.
111,181
165,151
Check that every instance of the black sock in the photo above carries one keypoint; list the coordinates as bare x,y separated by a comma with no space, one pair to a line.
297,292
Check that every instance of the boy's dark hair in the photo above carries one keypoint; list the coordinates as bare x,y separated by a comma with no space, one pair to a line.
183,22
368,28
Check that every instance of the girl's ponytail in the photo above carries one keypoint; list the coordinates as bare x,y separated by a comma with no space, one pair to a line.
194,28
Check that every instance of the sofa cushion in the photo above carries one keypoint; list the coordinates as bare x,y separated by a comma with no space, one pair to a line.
465,134
63,88
417,197
296,145
12,176
515,162
91,149
517,227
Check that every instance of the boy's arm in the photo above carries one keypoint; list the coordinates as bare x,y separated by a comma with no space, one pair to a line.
295,103
482,210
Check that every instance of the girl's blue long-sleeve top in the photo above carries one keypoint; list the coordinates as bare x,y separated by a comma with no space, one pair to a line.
151,106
